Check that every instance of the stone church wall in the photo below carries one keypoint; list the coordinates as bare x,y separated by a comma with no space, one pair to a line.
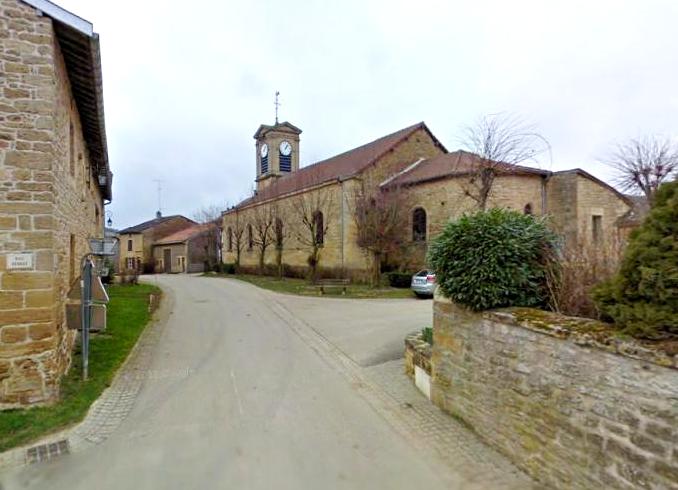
49,206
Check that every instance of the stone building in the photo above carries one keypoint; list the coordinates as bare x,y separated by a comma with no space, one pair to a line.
54,182
583,208
136,242
192,249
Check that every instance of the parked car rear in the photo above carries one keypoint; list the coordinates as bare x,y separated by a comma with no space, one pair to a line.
424,283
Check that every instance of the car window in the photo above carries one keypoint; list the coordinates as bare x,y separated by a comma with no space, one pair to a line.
423,273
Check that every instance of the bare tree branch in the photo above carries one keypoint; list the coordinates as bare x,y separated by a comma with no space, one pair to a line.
499,143
641,165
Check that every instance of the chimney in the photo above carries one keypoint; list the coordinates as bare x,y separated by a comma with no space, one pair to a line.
158,214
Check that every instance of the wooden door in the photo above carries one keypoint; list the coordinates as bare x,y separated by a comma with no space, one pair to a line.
167,260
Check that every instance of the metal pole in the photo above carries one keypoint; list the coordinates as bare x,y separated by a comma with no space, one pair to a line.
86,309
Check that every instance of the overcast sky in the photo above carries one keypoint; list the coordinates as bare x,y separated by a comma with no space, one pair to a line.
186,84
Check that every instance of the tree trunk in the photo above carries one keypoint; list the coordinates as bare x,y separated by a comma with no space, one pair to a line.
376,270
279,262
262,256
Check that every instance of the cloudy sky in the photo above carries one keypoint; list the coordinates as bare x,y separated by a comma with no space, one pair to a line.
187,83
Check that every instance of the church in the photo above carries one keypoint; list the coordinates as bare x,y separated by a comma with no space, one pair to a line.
304,218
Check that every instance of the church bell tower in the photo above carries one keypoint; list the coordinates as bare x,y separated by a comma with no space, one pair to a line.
277,150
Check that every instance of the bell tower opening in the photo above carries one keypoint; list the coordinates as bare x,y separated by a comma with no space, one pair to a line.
277,152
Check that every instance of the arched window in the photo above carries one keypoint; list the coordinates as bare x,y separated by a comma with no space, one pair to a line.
250,237
230,239
419,225
279,233
528,208
319,224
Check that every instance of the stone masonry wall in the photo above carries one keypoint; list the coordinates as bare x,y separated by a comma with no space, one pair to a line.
48,206
568,402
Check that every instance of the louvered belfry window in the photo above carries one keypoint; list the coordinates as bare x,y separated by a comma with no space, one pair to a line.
285,162
264,165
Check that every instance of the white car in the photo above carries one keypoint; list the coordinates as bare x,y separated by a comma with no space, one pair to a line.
424,283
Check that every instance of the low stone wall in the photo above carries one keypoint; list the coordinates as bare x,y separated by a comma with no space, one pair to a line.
562,397
418,362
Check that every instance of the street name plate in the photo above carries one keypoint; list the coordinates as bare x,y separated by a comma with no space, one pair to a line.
20,261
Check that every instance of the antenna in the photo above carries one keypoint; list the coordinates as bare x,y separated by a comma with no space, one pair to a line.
277,105
159,182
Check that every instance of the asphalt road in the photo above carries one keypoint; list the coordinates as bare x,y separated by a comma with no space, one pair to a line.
237,399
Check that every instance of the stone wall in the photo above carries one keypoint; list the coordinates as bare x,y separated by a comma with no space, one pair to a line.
568,402
49,206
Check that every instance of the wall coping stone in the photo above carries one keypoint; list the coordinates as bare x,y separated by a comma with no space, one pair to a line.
584,332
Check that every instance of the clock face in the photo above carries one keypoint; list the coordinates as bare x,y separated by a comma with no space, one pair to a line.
285,148
264,150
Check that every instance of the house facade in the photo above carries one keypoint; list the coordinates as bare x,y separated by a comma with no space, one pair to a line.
136,242
318,201
192,249
54,182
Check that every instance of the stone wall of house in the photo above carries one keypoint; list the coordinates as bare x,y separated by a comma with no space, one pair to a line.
176,250
563,398
48,206
136,252
573,200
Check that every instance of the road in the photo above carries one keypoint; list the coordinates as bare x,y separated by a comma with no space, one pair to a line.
241,393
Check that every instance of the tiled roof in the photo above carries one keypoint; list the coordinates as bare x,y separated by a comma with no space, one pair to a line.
340,166
183,235
452,165
151,223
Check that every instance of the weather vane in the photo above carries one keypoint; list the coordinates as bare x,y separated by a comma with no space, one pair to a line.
277,105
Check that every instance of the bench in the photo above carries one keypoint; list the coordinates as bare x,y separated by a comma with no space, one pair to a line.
323,284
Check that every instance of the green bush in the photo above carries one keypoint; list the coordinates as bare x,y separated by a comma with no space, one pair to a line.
399,279
642,298
427,335
228,268
493,258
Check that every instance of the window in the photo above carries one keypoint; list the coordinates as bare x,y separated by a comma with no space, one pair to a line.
230,239
250,238
279,234
129,245
285,162
264,165
597,228
71,147
419,225
528,208
131,262
319,225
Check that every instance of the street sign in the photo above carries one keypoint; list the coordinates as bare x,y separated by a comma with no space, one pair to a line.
20,261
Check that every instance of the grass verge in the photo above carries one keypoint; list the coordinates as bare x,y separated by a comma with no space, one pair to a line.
127,316
302,287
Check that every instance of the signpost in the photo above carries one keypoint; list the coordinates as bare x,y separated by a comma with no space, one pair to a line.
89,282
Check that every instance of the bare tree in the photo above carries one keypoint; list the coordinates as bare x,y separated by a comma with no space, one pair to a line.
264,221
210,217
313,210
281,234
499,143
236,239
642,164
378,215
